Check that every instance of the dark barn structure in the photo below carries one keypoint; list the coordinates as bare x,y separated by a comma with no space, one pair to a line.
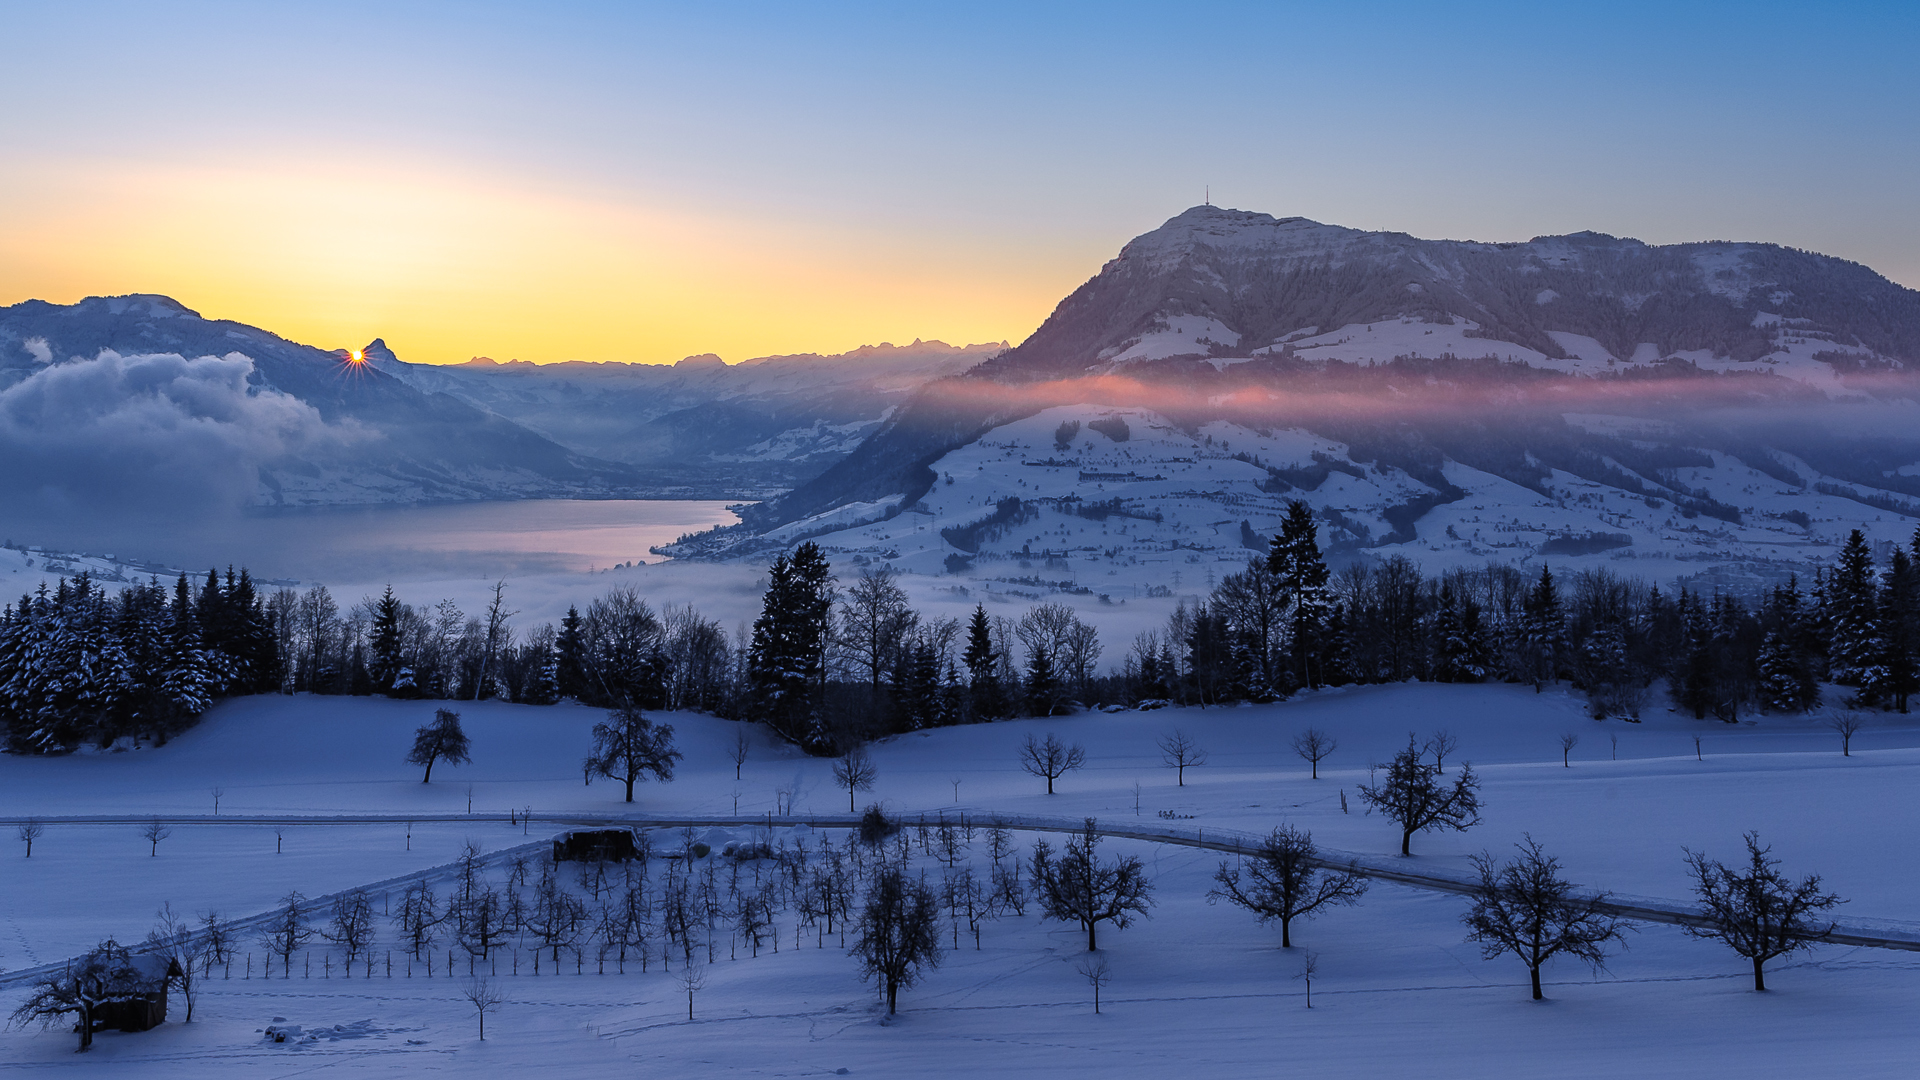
142,1004
596,845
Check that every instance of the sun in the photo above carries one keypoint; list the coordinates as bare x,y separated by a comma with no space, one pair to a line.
355,356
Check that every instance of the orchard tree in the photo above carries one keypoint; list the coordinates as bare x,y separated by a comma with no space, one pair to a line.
1179,752
1416,799
1314,746
1758,912
1051,759
628,747
288,930
1079,887
173,936
855,771
899,932
1282,881
441,740
103,975
1526,908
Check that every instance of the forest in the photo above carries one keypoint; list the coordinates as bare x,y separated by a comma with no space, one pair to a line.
831,663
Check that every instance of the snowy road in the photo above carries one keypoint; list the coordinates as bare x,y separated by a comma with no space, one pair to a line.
1875,934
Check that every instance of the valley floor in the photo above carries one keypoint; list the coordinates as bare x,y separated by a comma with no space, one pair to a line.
1198,989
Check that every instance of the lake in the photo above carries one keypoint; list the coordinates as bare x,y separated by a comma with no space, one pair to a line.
400,542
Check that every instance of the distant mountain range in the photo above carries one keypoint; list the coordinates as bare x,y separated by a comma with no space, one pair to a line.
118,403
1679,379
750,429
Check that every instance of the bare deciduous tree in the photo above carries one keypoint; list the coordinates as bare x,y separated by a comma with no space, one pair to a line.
104,974
1098,973
899,932
1846,725
486,996
1315,746
692,980
855,771
351,925
1525,908
738,750
1078,887
875,620
1415,799
287,931
1309,967
153,832
1759,913
628,747
1282,881
1051,759
30,830
1441,744
173,937
1568,741
1179,752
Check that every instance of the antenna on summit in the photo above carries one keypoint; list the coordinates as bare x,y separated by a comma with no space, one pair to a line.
1209,195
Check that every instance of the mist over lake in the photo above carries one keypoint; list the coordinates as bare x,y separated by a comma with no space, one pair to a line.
500,538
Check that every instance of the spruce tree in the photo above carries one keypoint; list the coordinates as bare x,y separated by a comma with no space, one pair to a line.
1895,677
786,663
1544,630
983,685
1853,632
570,671
1786,659
384,660
1294,558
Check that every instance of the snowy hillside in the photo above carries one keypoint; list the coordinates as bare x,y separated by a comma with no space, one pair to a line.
1579,397
1162,508
316,799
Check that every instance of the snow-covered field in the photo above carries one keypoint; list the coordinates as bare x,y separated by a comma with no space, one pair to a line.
1197,989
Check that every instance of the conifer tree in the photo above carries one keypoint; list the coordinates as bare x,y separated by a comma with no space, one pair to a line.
384,659
1853,625
1544,631
786,663
1895,675
1785,660
982,683
1294,558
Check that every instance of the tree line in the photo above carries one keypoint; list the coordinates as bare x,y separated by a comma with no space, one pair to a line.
1287,622
828,667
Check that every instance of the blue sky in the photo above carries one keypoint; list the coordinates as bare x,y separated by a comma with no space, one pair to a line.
779,177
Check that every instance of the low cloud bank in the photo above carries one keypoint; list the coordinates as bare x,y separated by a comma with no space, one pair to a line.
147,437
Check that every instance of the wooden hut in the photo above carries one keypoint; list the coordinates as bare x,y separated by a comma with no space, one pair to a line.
596,845
140,1001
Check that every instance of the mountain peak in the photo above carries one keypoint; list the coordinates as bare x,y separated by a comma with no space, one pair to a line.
151,304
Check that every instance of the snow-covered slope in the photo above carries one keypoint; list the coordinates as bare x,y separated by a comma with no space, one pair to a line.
1578,396
1165,508
1198,990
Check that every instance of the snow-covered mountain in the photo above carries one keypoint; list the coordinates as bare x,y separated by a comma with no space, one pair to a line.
1581,398
118,404
757,427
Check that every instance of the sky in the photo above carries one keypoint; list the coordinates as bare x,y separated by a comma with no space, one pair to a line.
642,182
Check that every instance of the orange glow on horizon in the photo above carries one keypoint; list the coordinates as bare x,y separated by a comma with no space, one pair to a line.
446,267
